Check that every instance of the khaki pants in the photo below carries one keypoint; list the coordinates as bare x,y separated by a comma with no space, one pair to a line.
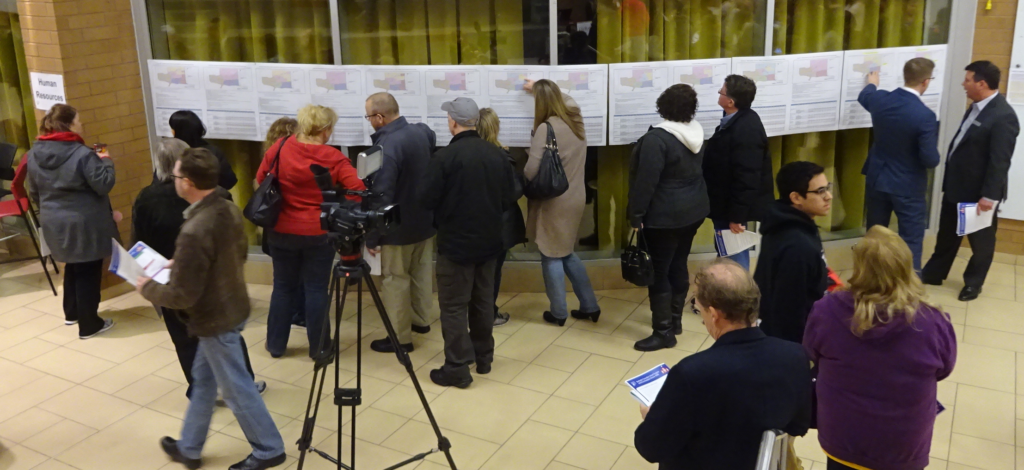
408,286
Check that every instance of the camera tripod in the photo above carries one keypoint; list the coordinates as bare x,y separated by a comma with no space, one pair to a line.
353,270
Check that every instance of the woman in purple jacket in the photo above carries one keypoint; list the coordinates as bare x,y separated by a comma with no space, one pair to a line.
881,351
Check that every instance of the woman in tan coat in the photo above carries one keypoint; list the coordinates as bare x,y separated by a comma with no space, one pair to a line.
553,223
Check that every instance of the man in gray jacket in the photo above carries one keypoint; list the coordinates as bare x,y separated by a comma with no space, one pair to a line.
407,252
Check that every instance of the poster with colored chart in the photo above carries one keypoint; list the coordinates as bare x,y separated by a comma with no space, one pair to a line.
282,90
816,81
774,90
706,77
508,98
404,83
448,83
588,85
341,89
857,65
231,103
175,86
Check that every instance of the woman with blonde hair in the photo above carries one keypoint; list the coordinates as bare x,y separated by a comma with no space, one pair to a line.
513,230
554,223
301,255
880,350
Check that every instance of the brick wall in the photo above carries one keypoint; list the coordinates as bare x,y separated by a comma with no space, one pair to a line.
993,41
92,44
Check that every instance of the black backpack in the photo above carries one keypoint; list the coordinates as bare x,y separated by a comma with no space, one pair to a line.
550,180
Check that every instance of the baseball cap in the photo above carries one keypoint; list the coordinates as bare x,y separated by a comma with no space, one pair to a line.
463,110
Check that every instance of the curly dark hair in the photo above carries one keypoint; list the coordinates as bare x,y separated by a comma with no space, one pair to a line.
678,103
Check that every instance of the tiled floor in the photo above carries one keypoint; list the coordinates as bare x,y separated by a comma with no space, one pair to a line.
555,399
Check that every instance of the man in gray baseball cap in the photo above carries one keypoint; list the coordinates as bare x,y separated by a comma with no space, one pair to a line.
469,186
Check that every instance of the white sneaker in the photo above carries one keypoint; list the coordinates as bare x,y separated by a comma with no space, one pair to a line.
107,324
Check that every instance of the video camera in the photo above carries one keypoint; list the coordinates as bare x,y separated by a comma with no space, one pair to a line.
346,221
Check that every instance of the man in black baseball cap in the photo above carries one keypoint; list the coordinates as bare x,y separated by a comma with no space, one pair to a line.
468,185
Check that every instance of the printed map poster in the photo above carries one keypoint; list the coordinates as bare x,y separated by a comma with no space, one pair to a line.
175,85
706,77
588,85
231,103
856,67
508,98
774,89
341,88
445,83
282,90
816,81
635,88
405,83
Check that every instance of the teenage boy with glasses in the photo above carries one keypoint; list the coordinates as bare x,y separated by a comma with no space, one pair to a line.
791,271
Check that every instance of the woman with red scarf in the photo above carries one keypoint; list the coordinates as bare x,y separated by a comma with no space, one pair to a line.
69,182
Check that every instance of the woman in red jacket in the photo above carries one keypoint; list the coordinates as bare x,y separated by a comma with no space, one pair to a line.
301,253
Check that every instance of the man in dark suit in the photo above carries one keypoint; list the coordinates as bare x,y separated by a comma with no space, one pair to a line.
976,171
737,163
715,404
905,147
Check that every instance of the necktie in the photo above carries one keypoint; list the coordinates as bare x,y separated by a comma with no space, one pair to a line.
968,120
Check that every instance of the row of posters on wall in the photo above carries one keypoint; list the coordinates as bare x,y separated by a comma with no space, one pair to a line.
796,93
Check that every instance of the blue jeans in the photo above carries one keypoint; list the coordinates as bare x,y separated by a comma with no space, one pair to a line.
220,362
743,257
299,271
555,270
911,214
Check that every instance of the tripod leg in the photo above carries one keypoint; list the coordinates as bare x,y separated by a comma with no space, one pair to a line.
443,444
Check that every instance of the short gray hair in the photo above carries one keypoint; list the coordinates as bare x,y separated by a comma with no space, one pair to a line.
726,286
167,152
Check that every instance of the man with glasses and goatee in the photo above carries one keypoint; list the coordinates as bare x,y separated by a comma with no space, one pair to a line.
791,271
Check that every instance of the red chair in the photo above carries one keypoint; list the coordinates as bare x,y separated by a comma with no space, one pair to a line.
21,207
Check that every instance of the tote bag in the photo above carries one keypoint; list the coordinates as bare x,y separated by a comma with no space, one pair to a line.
265,204
550,180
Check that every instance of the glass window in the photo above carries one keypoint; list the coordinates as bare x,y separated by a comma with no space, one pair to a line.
17,108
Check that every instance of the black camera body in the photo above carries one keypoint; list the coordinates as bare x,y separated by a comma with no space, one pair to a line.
346,221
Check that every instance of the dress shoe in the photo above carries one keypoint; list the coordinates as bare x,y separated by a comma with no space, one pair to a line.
421,329
444,379
655,342
384,345
170,447
548,317
969,293
586,316
252,463
483,368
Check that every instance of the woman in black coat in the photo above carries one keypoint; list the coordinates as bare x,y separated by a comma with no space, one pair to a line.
157,217
668,200
187,127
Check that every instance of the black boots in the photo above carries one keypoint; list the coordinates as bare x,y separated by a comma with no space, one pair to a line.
661,319
678,304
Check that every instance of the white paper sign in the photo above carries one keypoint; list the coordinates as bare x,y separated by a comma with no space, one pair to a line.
48,90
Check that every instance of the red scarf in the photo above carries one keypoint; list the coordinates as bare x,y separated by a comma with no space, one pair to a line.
63,137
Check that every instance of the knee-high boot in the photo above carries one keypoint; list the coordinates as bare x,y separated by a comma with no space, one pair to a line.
678,304
661,320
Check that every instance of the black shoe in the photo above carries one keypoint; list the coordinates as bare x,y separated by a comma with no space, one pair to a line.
483,367
252,463
969,293
655,342
931,282
384,345
299,322
421,329
170,447
677,323
548,317
443,379
585,316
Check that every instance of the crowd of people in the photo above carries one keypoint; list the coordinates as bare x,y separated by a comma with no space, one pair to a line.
860,364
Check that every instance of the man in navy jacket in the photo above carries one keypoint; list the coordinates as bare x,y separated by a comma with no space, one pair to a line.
905,147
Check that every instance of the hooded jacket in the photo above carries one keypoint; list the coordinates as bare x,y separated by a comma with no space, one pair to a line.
666,183
877,392
738,169
70,184
791,271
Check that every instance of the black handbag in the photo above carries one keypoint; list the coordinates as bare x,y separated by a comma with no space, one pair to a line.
637,267
265,204
550,180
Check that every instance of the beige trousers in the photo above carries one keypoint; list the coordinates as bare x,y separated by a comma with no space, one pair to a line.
408,286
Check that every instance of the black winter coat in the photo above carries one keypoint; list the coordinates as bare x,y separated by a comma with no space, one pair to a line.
666,185
738,169
513,231
791,271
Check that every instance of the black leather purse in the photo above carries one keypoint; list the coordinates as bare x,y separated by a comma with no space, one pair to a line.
637,267
550,180
265,204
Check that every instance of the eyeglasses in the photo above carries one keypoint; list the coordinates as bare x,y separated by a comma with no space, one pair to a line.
720,92
371,116
821,191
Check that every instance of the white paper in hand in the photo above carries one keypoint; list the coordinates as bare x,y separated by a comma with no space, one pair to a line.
729,243
645,387
140,261
373,260
969,220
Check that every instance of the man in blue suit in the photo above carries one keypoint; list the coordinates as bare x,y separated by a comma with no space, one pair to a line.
905,147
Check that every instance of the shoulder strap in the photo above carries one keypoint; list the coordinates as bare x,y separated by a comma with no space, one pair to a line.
277,156
552,142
